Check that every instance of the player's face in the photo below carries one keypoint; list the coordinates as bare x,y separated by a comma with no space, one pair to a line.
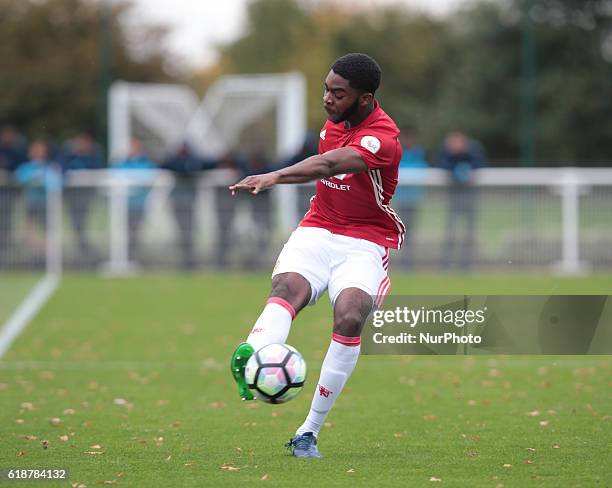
340,100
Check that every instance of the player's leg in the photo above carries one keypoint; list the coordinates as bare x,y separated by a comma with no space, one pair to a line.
299,278
358,279
351,310
290,293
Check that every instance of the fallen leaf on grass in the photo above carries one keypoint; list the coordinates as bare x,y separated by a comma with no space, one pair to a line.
120,401
55,421
229,467
69,411
96,446
169,457
30,437
543,423
93,453
533,413
216,405
494,373
329,424
528,461
238,449
265,477
531,449
433,478
429,417
44,444
63,438
107,482
27,406
350,470
397,435
21,453
556,446
507,465
78,485
19,421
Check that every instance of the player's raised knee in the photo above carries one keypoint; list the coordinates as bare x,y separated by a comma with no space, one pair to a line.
348,322
292,288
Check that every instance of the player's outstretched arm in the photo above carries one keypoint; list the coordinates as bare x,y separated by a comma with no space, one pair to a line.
326,165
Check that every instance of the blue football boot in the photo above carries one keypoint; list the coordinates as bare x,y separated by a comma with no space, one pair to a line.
304,446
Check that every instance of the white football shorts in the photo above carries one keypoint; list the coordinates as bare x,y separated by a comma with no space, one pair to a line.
335,262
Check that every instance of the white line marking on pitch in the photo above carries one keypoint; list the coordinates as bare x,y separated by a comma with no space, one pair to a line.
26,311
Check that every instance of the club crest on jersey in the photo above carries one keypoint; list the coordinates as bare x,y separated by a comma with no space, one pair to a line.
322,134
371,143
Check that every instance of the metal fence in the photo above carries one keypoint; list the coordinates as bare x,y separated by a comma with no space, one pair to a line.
120,221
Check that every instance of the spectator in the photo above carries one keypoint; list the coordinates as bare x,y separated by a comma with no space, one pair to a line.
261,207
461,156
135,161
310,147
13,152
186,167
408,199
226,207
38,176
81,153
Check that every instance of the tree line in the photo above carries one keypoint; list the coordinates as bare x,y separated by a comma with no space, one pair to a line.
463,70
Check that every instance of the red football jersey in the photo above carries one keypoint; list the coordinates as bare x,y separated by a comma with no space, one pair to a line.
357,205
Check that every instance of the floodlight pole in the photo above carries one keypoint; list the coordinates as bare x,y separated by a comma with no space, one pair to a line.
528,78
104,74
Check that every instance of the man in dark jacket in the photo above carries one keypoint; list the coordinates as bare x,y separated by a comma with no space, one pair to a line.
460,156
13,152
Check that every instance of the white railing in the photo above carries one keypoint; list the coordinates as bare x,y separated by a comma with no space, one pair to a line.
565,187
569,182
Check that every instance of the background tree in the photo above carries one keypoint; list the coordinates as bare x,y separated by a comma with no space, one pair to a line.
49,51
463,70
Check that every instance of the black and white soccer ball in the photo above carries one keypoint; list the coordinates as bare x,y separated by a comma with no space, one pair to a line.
275,373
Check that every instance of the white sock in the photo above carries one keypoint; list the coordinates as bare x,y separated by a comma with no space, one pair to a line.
338,365
272,326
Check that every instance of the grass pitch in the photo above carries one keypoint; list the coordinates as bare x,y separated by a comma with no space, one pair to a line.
127,381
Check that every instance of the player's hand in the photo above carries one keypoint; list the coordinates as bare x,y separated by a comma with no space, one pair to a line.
255,183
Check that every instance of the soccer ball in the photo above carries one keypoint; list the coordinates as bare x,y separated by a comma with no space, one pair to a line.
276,373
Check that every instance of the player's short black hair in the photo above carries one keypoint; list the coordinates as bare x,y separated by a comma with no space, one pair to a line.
361,70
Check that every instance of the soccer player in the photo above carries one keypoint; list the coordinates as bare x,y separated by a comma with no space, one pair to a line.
342,242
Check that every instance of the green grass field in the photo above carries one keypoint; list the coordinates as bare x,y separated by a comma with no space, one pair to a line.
128,382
